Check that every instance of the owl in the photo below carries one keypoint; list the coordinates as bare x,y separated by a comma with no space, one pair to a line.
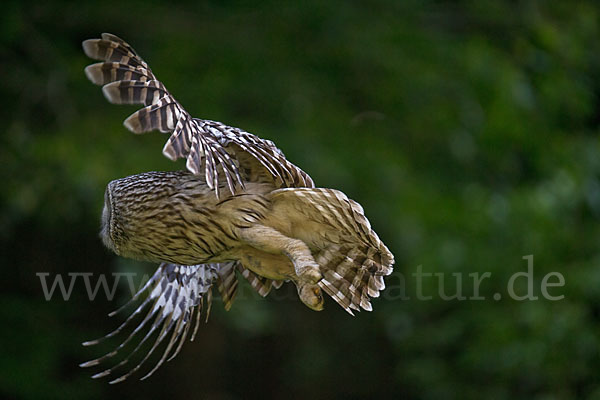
240,208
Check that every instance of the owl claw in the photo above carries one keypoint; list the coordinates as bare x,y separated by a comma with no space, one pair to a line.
311,296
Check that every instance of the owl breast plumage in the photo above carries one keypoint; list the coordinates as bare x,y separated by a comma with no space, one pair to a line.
240,208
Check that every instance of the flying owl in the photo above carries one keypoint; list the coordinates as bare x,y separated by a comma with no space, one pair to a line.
240,208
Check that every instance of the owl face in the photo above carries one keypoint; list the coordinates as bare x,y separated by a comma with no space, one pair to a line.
105,230
120,219
132,209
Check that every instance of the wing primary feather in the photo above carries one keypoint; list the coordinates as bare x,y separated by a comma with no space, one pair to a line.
166,351
157,322
176,294
181,338
124,324
128,79
197,323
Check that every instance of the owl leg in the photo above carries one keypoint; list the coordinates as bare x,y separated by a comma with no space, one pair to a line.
272,241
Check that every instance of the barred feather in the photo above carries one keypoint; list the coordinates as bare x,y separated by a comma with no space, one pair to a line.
176,293
259,283
208,146
107,72
352,258
227,283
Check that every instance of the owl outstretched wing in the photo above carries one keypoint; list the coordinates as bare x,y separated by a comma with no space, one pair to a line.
210,147
352,258
176,298
177,295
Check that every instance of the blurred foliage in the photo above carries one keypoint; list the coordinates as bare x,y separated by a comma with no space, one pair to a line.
468,130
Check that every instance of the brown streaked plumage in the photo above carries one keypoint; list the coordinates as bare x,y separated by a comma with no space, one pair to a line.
267,221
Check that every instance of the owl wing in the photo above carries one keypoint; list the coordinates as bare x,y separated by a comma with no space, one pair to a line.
209,146
259,283
352,258
176,295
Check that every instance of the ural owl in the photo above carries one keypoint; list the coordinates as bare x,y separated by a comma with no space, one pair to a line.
265,220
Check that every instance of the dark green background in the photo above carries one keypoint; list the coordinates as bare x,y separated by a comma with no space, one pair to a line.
467,130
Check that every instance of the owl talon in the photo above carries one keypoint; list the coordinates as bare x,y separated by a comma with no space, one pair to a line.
311,296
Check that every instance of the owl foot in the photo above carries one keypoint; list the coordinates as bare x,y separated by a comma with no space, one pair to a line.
311,295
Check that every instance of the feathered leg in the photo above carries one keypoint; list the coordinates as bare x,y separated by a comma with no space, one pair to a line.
270,240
